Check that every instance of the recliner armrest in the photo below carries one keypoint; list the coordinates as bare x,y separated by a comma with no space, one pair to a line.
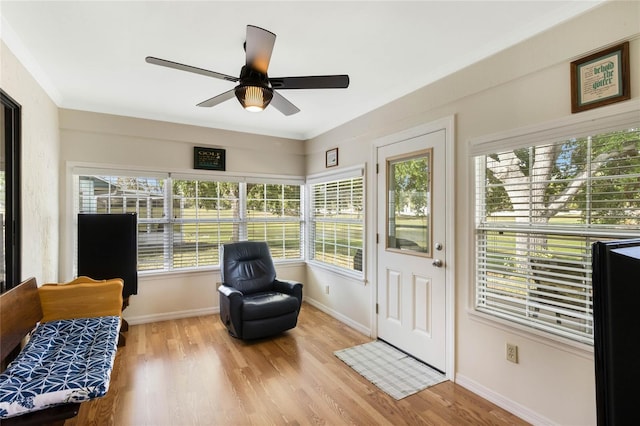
285,285
230,309
229,291
293,288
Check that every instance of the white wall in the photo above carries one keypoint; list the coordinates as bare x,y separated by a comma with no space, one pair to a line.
525,85
40,152
347,300
102,140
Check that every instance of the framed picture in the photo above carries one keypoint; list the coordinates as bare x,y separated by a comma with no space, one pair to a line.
600,79
208,158
332,157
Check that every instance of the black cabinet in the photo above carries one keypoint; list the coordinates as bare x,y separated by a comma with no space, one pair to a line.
108,248
616,292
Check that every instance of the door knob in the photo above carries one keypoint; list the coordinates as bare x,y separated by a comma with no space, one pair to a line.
437,263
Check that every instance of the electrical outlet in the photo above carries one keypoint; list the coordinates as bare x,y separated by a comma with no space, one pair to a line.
512,353
326,289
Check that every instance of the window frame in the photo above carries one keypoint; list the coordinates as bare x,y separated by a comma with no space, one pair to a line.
324,178
169,199
11,238
594,122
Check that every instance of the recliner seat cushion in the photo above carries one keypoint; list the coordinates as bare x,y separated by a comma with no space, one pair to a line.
268,305
268,326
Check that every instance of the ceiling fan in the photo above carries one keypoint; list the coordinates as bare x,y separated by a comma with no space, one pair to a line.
255,89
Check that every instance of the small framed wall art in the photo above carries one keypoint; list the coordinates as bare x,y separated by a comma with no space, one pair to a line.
600,79
208,158
331,157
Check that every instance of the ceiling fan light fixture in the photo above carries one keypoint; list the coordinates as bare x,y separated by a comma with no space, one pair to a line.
254,98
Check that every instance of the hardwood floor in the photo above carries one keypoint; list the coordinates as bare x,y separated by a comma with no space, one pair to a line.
191,372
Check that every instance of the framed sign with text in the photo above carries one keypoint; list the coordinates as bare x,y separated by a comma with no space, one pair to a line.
600,79
208,158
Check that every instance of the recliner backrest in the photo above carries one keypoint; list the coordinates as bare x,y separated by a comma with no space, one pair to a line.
247,266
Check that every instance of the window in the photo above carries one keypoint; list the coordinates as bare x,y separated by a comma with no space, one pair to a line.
204,215
274,214
337,222
539,209
183,221
10,210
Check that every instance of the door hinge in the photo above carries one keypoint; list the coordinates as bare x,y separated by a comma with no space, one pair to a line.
377,238
376,309
377,168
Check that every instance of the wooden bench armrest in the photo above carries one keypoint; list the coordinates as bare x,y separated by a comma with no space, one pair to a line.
19,313
81,298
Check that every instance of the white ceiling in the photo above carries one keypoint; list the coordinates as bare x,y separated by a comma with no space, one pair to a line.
89,55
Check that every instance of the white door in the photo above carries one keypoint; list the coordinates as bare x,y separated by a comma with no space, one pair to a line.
411,289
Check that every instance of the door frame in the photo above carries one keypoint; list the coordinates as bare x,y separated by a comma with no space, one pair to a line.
448,125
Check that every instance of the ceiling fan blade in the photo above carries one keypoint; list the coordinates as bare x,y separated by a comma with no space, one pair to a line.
258,47
283,105
189,68
311,82
218,99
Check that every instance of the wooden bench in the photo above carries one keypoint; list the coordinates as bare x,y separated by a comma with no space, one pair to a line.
71,333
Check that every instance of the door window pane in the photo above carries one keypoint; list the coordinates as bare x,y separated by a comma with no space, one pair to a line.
409,181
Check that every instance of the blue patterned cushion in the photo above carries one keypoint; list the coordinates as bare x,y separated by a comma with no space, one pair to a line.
65,361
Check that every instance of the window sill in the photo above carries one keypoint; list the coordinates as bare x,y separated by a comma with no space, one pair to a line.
193,271
582,350
354,275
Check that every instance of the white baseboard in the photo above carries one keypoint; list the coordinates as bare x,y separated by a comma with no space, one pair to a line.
165,316
343,319
503,402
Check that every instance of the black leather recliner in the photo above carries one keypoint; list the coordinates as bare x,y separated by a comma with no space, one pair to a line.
253,303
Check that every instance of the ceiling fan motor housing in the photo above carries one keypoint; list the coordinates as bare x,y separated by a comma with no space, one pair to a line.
254,91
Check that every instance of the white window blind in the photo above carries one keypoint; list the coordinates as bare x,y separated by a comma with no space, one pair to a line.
144,196
274,214
204,215
337,222
539,209
183,221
